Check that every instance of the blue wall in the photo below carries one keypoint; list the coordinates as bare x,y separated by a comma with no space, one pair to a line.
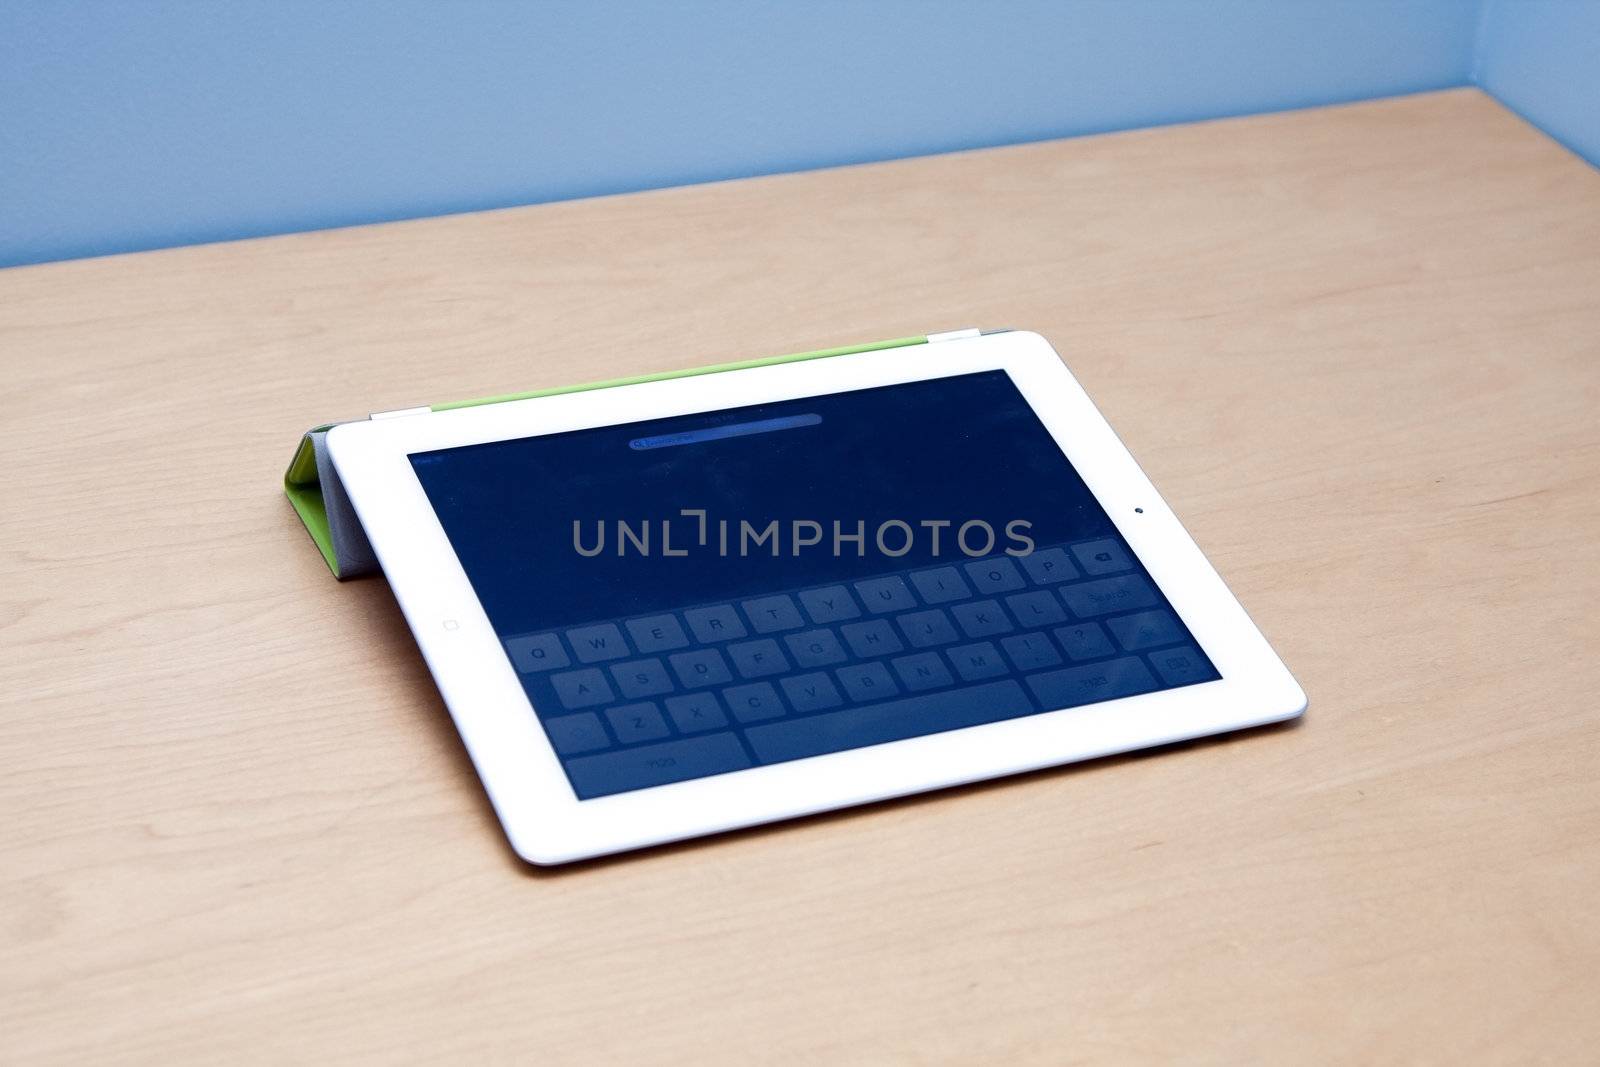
1542,59
133,125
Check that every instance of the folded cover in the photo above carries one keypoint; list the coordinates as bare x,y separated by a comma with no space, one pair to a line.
313,486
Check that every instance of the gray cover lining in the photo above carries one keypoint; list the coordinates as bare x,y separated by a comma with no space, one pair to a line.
351,548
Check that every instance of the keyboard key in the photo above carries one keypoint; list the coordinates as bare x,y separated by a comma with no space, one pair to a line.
595,644
669,761
696,712
1036,608
1182,665
1104,556
924,629
867,681
815,648
752,703
641,678
997,575
1085,641
1074,686
1147,629
570,734
757,659
982,618
1106,595
540,652
770,614
1031,652
894,720
874,638
1048,566
941,585
701,666
925,670
811,692
637,722
582,689
657,633
886,594
719,623
976,662
833,604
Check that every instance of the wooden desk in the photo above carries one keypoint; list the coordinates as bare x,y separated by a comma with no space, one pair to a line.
1357,348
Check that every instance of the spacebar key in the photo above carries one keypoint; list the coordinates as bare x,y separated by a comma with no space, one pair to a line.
895,720
647,765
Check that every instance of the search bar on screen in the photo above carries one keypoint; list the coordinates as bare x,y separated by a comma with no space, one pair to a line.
718,433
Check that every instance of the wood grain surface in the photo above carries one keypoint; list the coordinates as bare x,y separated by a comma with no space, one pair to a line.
1357,348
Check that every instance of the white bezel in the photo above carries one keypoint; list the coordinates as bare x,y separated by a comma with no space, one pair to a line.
542,816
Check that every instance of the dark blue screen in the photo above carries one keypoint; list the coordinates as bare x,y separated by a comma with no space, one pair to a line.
706,593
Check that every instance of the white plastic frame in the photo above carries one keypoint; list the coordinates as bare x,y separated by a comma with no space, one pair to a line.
544,819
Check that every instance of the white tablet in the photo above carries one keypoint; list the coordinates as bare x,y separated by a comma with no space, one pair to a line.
674,608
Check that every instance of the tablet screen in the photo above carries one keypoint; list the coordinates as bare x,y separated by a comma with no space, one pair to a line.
706,593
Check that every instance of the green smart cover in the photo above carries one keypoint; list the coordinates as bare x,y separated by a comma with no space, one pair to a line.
313,486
